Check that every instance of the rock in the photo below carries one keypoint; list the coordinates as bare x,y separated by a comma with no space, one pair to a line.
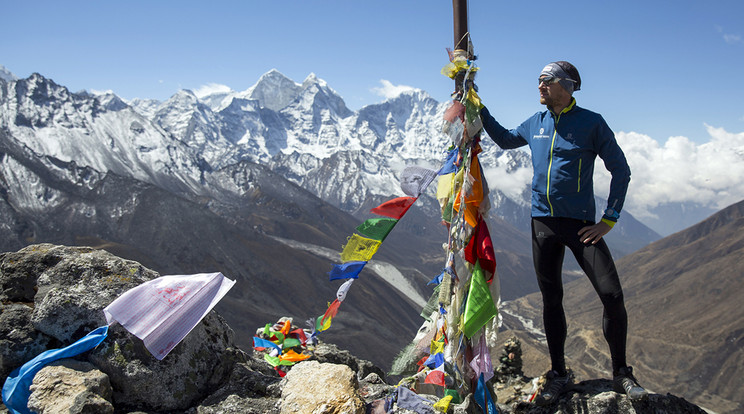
72,286
70,386
19,341
252,388
325,352
597,396
321,388
53,295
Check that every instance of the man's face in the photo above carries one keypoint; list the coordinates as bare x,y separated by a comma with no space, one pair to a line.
553,94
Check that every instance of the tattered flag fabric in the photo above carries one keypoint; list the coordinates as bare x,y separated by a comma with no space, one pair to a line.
451,165
331,312
377,228
481,362
163,311
483,397
473,194
411,401
348,270
394,208
479,308
359,248
481,248
415,180
455,111
16,388
343,290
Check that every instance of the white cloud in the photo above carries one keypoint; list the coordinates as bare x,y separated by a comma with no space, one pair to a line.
211,88
388,90
680,171
732,39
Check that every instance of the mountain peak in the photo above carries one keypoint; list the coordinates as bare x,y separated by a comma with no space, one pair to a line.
274,90
6,75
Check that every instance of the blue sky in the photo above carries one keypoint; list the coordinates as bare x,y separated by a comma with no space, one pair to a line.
659,68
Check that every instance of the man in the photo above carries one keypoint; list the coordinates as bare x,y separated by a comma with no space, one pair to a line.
565,141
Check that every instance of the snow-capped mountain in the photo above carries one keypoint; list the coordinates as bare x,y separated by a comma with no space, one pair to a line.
303,131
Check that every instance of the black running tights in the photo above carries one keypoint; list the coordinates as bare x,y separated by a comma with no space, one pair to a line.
550,237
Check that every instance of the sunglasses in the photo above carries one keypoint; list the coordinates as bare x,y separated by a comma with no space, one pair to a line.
549,80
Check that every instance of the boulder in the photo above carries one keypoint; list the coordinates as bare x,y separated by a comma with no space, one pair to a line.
321,388
70,386
71,286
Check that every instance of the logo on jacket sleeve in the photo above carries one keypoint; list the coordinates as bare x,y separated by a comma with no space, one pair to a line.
541,135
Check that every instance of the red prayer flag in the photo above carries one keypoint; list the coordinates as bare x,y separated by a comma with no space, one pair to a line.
394,208
481,247
331,311
436,376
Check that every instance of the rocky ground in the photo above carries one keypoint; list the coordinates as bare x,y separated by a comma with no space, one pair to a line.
52,295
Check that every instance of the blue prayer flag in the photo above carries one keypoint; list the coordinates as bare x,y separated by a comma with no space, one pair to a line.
348,270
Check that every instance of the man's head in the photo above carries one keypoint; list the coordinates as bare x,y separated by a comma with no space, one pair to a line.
557,82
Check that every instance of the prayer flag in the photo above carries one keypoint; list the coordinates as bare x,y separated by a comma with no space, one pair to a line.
331,311
411,401
434,361
451,164
481,248
479,308
322,323
293,356
435,376
436,347
415,180
343,290
481,362
162,311
377,228
394,208
443,404
16,388
473,193
454,111
348,270
359,248
483,397
263,343
437,280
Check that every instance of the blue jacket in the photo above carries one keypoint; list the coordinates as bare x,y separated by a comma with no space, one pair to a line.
564,147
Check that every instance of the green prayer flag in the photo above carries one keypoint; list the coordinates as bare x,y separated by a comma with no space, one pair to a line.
377,228
479,308
290,343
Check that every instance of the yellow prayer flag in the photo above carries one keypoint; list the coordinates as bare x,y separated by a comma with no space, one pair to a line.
359,249
436,347
444,186
443,405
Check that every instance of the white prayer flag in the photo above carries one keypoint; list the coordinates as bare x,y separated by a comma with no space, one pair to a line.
343,290
414,180
163,311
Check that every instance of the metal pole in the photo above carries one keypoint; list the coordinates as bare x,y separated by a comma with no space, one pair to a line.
460,14
460,19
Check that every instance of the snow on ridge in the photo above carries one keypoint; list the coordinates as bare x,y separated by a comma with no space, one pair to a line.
7,75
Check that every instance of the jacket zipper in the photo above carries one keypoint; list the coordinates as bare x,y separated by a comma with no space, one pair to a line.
550,163
578,190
